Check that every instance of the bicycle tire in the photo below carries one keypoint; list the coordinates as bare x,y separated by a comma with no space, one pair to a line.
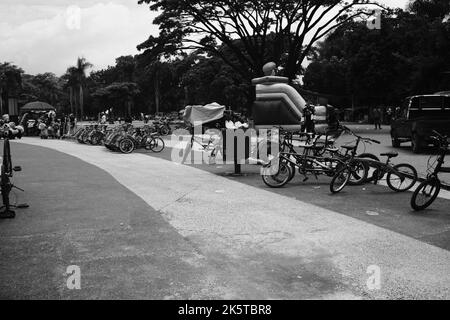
359,173
370,177
7,163
340,180
157,145
4,186
409,185
126,146
435,187
277,181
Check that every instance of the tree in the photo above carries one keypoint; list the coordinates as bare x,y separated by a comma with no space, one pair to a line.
10,82
209,25
76,77
118,94
72,84
43,87
406,57
430,8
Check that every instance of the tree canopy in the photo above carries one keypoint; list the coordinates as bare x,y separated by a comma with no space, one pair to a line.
408,56
244,27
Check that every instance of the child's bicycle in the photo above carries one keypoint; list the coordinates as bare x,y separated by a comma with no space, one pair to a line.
399,178
6,185
428,190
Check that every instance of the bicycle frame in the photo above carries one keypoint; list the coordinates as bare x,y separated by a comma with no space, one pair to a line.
440,163
305,163
383,169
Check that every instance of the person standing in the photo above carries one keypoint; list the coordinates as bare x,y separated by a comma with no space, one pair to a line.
389,113
309,122
72,122
377,118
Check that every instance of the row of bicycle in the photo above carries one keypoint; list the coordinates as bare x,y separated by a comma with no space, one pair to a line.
125,138
320,156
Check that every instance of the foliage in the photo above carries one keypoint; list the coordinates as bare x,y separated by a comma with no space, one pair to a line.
243,27
407,56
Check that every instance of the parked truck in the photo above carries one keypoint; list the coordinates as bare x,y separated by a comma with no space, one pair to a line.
418,117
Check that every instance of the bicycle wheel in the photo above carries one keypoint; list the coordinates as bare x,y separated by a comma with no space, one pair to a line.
7,164
164,131
425,194
126,146
399,184
340,179
372,173
157,145
360,170
280,178
96,139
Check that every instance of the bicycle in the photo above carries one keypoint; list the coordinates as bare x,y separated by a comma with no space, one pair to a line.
317,148
6,185
427,192
279,174
400,178
141,138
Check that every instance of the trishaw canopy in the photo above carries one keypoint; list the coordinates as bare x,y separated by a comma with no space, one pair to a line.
199,115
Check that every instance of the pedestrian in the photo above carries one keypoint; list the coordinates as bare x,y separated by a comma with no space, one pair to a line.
308,113
377,118
103,118
389,114
72,122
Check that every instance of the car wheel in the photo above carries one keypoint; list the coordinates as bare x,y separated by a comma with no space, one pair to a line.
395,141
416,143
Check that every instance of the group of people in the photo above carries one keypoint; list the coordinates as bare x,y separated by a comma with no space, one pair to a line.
8,129
47,125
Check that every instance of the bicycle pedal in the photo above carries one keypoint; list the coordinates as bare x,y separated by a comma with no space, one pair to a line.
305,179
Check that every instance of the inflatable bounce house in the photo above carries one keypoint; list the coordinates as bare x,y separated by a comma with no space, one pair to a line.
279,104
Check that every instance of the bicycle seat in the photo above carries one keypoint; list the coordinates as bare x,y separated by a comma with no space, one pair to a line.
389,154
332,150
349,147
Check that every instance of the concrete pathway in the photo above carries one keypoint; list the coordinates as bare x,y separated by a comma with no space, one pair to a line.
267,245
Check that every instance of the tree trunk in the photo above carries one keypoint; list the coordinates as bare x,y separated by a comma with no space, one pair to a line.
81,103
1,101
157,93
71,99
129,105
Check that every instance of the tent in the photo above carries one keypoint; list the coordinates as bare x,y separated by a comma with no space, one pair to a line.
37,106
199,115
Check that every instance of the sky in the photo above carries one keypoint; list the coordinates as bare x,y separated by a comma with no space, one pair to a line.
48,35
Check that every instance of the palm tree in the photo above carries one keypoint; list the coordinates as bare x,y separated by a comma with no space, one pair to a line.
72,85
76,80
82,66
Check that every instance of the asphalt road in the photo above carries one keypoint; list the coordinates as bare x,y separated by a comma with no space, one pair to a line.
374,204
198,231
80,215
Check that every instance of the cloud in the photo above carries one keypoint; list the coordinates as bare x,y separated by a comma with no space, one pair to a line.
39,37
34,34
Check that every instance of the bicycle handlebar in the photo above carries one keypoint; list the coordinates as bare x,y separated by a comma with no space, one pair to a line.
347,129
439,136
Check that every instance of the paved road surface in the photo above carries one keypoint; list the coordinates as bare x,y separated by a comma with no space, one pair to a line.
239,238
